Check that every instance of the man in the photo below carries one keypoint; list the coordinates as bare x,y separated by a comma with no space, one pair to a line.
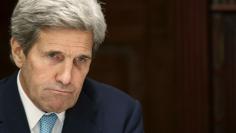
52,44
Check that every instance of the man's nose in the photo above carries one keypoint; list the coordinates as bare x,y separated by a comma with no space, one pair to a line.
64,74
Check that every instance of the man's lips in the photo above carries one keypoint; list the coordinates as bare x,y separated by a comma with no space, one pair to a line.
60,91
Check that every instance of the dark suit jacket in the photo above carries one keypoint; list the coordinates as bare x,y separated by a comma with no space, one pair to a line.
100,109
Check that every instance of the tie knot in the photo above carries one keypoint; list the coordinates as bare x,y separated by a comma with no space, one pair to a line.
47,122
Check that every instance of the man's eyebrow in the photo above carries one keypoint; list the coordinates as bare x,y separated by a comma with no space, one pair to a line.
45,52
85,56
53,52
88,56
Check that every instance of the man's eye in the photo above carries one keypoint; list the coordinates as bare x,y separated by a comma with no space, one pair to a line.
55,56
51,55
81,60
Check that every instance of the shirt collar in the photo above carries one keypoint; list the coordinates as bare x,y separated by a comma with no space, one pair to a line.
33,113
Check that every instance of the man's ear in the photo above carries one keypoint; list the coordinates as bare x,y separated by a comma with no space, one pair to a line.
17,53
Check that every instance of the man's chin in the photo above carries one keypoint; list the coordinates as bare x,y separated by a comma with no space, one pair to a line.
57,107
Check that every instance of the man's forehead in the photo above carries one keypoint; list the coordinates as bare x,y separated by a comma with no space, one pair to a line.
66,49
66,39
69,46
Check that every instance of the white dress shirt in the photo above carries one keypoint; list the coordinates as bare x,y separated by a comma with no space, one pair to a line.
34,114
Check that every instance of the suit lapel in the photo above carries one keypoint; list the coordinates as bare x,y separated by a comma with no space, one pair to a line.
12,114
82,117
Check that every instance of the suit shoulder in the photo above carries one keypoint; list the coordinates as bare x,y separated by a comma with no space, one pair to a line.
7,81
107,94
116,109
3,81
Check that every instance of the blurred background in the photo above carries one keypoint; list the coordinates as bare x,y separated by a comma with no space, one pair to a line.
177,57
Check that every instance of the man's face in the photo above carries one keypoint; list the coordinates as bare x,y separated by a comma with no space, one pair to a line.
53,72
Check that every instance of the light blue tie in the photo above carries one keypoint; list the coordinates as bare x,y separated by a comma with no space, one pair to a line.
47,122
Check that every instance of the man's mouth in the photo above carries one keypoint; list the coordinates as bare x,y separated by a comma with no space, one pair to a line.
60,91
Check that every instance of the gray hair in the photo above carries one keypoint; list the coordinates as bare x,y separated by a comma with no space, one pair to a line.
30,16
